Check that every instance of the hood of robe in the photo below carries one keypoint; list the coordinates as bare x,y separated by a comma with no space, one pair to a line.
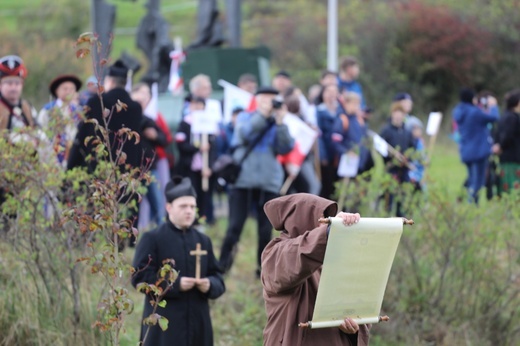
298,213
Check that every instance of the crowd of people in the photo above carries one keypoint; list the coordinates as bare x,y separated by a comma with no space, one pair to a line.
336,108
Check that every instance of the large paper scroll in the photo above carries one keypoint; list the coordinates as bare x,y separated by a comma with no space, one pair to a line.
355,271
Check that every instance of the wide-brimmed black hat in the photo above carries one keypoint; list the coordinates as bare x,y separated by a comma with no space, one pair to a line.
118,69
179,187
64,78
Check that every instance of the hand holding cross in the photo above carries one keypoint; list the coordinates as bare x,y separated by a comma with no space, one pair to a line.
198,253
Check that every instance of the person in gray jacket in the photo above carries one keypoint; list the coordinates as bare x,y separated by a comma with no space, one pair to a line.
261,176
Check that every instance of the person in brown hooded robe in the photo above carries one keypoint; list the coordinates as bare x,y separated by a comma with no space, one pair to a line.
291,270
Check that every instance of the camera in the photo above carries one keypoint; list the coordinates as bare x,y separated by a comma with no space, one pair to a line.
277,102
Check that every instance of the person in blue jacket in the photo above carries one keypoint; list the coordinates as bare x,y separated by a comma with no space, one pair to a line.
348,77
475,138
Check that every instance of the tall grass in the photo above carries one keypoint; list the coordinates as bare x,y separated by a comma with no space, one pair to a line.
455,279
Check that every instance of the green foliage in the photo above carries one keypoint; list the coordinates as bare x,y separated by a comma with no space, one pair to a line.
455,278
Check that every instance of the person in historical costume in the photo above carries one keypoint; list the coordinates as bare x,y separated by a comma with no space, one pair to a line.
15,112
187,308
291,271
61,117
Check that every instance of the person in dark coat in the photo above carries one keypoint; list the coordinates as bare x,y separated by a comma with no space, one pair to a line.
508,143
395,134
187,308
131,117
190,160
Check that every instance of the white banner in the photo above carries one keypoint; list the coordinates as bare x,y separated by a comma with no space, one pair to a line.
234,97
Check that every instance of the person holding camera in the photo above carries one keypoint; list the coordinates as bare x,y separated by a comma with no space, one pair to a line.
261,175
475,137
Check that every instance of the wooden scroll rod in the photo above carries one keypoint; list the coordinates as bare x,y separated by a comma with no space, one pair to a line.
326,220
337,323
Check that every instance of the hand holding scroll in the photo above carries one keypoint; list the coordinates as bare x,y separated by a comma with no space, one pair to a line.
348,218
349,326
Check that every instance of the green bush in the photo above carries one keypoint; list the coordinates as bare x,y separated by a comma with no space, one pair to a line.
456,276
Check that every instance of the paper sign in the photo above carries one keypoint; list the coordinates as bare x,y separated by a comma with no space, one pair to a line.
348,165
214,108
380,145
355,270
434,122
204,122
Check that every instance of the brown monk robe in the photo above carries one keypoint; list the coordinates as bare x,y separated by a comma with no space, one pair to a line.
291,270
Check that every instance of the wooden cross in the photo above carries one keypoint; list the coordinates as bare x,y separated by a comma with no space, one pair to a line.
198,252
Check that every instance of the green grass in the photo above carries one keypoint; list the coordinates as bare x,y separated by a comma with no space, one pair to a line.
238,316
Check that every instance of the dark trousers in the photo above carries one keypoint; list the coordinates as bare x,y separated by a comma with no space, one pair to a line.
476,177
240,201
329,177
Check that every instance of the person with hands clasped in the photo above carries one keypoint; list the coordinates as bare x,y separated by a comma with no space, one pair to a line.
291,272
200,279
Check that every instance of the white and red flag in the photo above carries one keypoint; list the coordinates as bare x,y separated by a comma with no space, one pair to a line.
304,137
235,97
176,84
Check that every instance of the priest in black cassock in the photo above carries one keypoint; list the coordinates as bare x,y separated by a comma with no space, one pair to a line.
187,308
130,117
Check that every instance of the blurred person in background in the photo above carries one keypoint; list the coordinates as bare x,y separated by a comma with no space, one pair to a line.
475,138
508,143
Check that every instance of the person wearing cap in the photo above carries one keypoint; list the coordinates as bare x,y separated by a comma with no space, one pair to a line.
129,117
475,138
187,308
261,176
15,112
405,100
60,117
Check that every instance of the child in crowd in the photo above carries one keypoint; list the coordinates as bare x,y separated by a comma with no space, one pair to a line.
416,176
396,135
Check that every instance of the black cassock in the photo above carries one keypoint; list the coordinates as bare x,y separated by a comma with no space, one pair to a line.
187,312
131,117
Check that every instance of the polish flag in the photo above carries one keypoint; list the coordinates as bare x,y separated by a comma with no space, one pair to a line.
176,84
235,97
304,137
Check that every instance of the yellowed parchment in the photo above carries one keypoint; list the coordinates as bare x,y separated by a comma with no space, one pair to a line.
355,270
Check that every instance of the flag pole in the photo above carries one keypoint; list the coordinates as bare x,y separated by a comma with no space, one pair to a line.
332,35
